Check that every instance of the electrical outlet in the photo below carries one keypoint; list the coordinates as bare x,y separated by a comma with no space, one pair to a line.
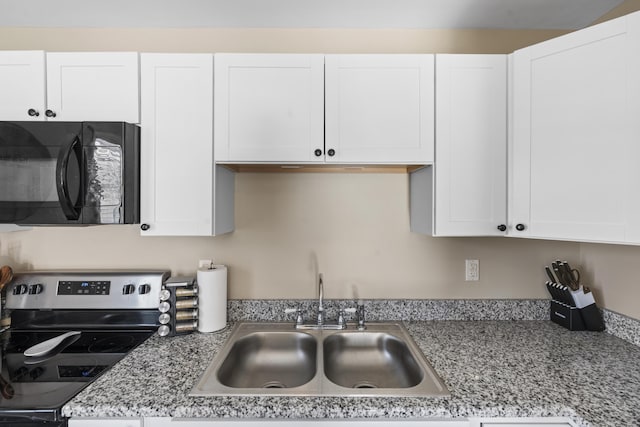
472,270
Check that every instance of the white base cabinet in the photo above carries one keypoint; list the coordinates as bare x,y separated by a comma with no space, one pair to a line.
465,192
207,422
575,133
183,192
106,422
521,422
194,422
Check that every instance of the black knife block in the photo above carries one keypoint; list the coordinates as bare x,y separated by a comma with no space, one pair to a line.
567,316
577,319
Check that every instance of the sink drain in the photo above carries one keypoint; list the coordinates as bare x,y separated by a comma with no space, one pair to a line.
274,384
365,384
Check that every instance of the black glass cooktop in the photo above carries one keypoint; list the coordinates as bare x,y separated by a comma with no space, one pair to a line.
50,380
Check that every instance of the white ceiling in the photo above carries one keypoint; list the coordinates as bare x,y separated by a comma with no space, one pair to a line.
505,14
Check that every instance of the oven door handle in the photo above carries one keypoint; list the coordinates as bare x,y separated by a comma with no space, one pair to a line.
46,347
62,185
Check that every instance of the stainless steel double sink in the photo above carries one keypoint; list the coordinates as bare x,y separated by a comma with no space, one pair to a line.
275,359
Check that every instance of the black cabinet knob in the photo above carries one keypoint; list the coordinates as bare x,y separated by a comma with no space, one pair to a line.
33,113
520,227
49,113
144,227
502,227
318,152
331,152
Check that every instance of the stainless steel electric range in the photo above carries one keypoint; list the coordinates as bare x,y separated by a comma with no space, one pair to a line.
67,328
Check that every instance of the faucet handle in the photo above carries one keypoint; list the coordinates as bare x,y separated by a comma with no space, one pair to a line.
342,323
360,316
298,311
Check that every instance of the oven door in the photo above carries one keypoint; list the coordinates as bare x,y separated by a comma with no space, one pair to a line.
41,173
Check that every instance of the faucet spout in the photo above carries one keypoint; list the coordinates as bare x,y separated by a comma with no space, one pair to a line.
320,300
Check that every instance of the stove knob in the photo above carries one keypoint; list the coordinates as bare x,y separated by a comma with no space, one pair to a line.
20,289
128,289
144,289
164,330
35,289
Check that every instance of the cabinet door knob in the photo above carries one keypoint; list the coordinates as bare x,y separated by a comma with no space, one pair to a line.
520,227
49,113
318,152
502,227
33,113
144,227
331,152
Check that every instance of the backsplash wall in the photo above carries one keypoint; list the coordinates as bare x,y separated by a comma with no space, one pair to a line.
354,228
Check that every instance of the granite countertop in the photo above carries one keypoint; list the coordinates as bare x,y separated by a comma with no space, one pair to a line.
491,368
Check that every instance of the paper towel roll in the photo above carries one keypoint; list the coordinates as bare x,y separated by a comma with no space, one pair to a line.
212,298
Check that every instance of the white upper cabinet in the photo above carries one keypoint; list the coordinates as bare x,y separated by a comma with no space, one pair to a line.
96,86
471,145
182,192
22,85
269,108
575,142
464,193
379,109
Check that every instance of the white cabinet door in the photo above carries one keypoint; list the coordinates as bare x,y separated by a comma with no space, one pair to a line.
269,108
471,145
574,148
105,422
379,109
525,424
22,85
182,191
95,86
203,422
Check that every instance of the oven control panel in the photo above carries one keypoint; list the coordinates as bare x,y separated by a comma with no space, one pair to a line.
84,287
86,290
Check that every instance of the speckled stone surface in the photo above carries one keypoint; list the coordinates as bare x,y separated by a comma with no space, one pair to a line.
622,326
491,368
407,309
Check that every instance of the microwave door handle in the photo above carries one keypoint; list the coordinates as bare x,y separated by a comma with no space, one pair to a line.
70,211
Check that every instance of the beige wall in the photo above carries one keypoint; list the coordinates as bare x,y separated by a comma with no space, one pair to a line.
613,273
272,40
352,227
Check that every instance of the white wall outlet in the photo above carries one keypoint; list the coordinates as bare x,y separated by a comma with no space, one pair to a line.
472,270
205,263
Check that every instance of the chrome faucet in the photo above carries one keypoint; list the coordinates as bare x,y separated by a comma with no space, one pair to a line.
320,323
320,302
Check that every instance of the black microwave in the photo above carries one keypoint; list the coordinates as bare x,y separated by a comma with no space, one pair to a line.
67,173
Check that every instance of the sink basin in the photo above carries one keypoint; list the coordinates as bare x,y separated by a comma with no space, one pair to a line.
370,360
270,360
262,359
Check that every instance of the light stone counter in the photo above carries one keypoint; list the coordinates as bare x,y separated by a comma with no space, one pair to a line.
521,368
